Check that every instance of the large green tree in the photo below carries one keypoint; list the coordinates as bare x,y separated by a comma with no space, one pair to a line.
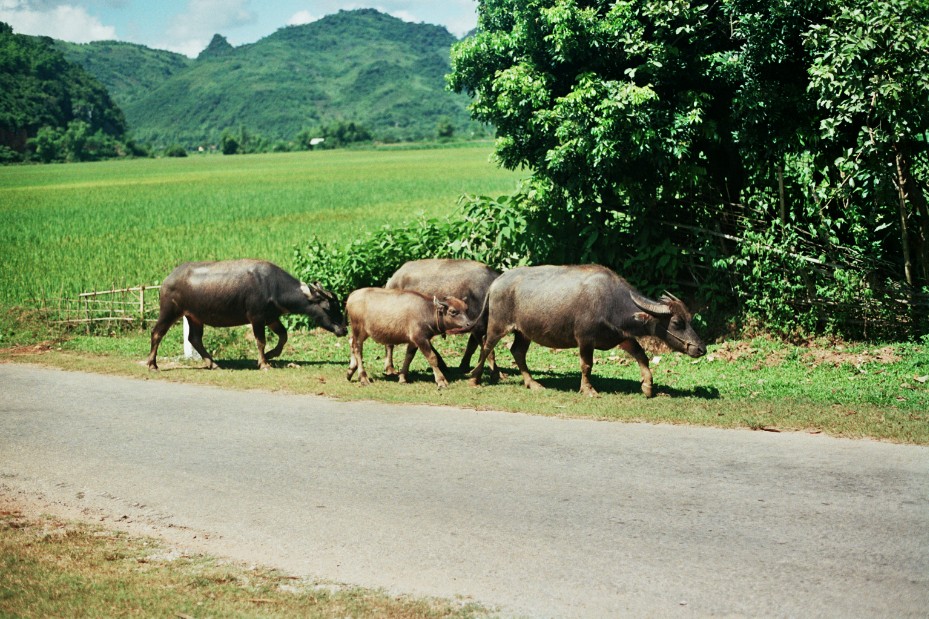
618,108
777,143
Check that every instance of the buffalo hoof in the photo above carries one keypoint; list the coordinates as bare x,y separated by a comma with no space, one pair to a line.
442,384
474,382
152,367
534,386
648,390
590,392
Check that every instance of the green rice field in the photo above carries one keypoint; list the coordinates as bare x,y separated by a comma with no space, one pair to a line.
72,228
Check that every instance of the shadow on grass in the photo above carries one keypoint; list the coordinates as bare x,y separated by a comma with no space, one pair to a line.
571,381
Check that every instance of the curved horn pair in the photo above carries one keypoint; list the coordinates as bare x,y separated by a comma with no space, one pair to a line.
652,307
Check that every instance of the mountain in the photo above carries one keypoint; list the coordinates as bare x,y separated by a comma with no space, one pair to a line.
130,72
40,88
358,66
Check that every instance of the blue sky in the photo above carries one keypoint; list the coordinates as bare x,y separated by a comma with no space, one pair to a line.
186,26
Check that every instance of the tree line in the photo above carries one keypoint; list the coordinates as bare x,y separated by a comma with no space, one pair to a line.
774,154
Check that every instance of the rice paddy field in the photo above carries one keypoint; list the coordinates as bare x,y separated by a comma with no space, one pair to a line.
72,228
67,229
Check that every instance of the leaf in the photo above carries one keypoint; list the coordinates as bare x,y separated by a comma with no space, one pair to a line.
921,379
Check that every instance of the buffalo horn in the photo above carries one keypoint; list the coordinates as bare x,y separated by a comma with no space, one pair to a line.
652,307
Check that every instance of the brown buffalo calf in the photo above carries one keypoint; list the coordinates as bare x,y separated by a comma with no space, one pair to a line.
402,317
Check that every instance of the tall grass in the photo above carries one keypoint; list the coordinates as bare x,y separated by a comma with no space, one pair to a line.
72,228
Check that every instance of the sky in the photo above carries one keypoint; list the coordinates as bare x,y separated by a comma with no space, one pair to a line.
186,26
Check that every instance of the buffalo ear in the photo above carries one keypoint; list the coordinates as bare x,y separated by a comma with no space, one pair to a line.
440,305
643,317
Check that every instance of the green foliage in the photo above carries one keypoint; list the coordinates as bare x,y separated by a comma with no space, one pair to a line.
129,71
333,135
40,89
384,74
175,150
492,231
722,145
229,144
74,143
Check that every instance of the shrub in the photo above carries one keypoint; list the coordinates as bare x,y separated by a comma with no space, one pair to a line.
175,150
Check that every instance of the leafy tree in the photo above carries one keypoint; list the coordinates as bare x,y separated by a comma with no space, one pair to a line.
444,129
229,144
618,108
175,150
39,88
765,150
871,77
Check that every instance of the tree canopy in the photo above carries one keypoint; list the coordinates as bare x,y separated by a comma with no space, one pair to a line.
719,143
40,89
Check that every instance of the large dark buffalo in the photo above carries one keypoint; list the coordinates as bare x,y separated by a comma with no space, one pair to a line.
467,280
402,317
586,307
238,292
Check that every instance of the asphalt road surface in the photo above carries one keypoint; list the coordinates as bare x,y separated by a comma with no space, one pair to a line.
532,516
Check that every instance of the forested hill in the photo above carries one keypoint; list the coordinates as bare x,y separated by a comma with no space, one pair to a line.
130,72
39,88
361,66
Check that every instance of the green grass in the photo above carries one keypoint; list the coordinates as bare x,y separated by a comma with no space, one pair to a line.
69,228
73,228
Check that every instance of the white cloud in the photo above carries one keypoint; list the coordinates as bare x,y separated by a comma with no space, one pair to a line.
301,17
191,30
65,22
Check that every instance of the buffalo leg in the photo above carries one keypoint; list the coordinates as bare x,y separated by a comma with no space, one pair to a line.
195,337
258,328
474,342
490,342
429,353
389,369
632,347
439,359
518,349
281,332
407,360
357,363
586,353
158,332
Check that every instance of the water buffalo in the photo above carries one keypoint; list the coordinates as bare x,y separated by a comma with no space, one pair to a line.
467,280
402,317
238,292
588,307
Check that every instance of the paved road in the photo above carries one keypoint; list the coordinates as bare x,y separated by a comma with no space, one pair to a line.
535,516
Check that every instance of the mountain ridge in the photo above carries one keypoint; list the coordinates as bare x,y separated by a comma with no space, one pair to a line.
361,66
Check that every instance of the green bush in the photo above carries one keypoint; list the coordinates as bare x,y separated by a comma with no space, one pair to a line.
175,150
493,231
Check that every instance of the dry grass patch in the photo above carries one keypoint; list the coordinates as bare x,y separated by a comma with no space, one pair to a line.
50,567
